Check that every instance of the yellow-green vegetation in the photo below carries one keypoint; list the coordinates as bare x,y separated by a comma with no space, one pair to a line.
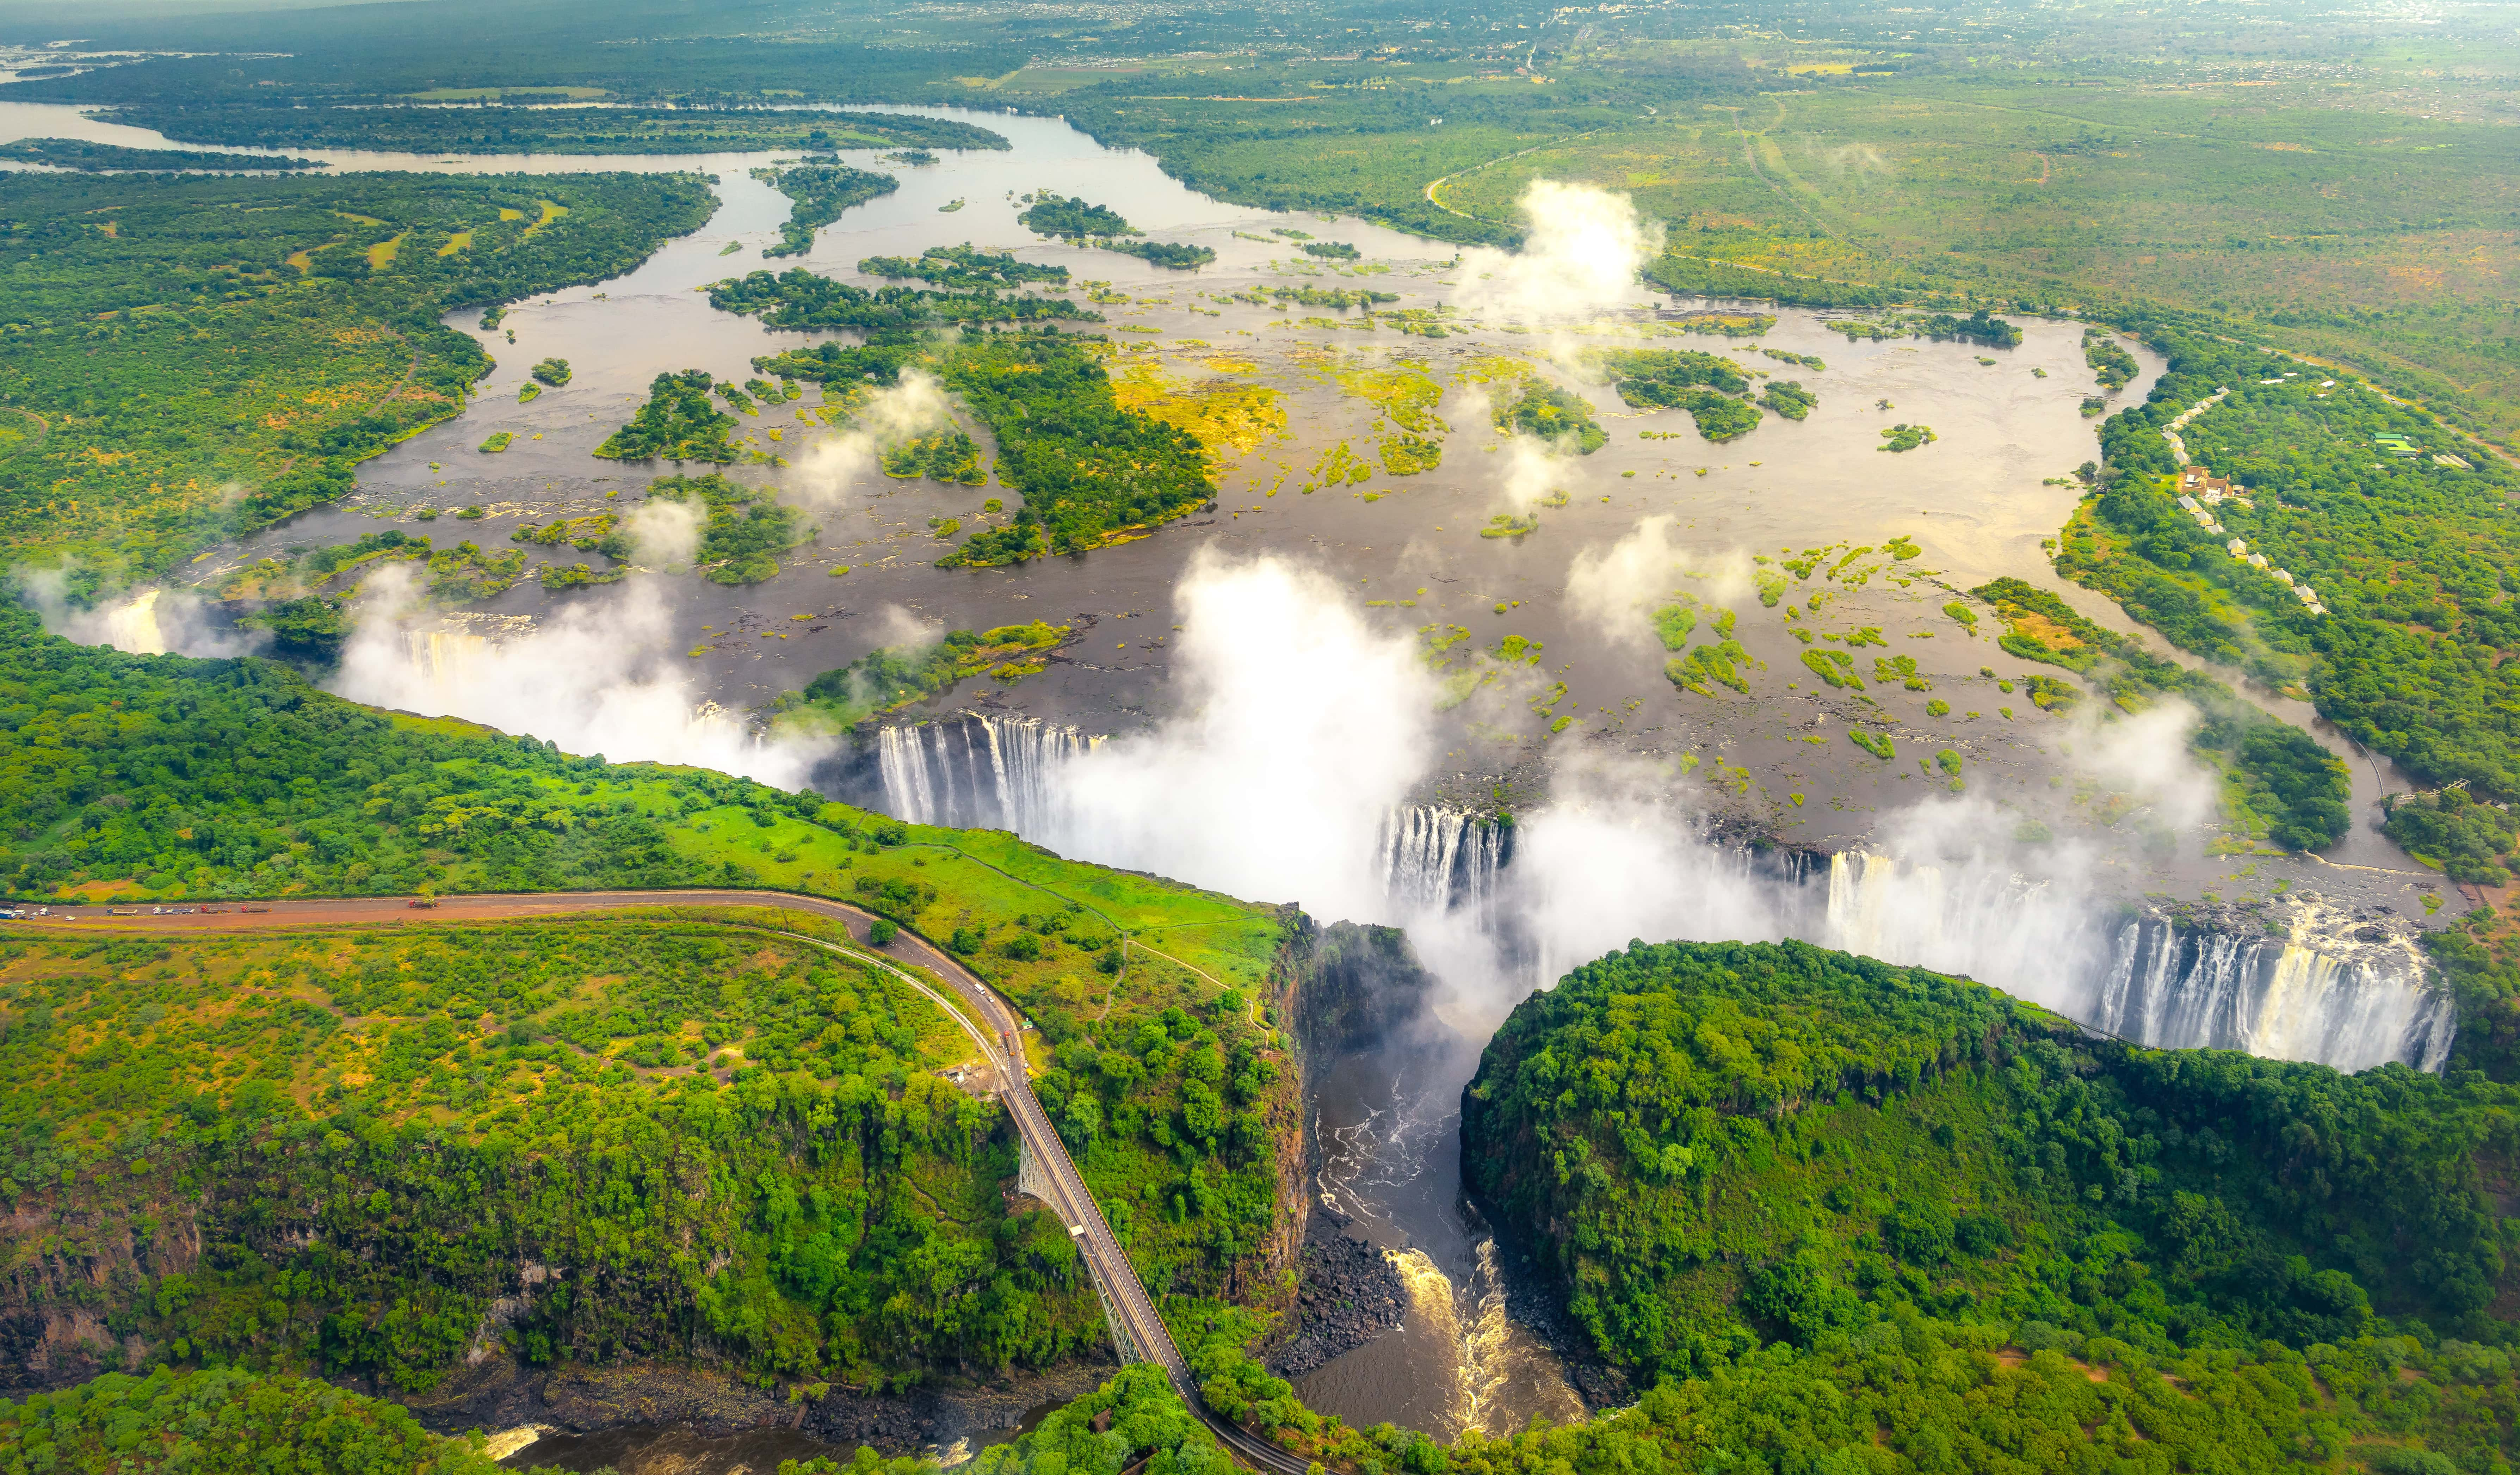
468,572
1903,436
1786,398
1400,391
1408,455
585,534
1722,661
1520,650
528,392
1900,670
678,424
941,455
183,385
1339,466
747,528
80,155
2280,782
1093,471
1731,325
1404,395
1878,745
1558,415
2108,359
499,441
224,1421
1509,525
889,679
799,298
310,571
1713,389
195,1053
1218,410
1049,214
960,268
1835,667
1135,1418
1980,326
2406,547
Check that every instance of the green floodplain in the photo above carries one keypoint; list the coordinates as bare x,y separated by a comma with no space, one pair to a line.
1814,1212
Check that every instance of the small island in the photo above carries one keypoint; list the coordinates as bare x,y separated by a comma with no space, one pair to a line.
97,159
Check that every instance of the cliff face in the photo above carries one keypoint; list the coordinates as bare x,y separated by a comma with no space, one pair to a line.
1332,988
1360,983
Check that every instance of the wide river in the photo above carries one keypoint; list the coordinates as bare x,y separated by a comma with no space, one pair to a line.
1267,652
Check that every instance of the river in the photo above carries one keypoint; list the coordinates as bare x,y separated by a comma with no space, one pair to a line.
1264,657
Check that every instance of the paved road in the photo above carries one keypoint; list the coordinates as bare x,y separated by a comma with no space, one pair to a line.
992,1025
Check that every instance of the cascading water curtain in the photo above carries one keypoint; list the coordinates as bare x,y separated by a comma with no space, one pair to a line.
2144,979
980,772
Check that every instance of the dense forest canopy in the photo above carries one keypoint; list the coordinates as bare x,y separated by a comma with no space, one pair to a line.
267,334
480,1067
1867,1170
224,1421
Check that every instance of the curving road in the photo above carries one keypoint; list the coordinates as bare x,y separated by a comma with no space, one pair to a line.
992,1025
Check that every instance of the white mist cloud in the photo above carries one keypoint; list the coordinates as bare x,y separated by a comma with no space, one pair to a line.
899,412
144,622
1945,886
1616,588
2147,758
594,680
664,533
1299,728
1531,468
1579,257
1614,856
897,629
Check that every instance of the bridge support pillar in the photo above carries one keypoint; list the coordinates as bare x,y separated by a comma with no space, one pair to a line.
1033,1180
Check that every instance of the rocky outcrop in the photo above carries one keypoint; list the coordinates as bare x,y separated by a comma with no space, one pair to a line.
498,1393
1347,1295
1357,984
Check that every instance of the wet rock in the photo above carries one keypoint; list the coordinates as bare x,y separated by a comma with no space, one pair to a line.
578,1399
892,1425
1348,1295
1529,1301
499,1394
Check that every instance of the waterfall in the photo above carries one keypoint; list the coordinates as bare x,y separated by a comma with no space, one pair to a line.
2292,997
447,659
134,629
976,772
2002,928
1440,860
2307,993
2308,990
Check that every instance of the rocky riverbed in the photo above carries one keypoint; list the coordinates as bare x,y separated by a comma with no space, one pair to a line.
1350,1296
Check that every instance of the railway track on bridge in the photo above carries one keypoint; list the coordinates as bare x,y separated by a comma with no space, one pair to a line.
992,1025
